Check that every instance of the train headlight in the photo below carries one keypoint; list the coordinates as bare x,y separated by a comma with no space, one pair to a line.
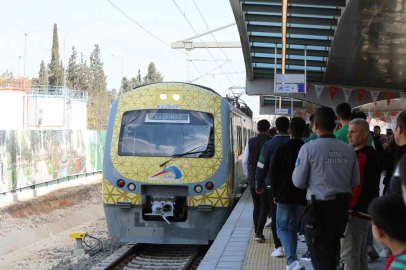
163,96
198,189
176,97
120,183
131,186
209,185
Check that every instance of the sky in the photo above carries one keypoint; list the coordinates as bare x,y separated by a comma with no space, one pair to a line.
84,23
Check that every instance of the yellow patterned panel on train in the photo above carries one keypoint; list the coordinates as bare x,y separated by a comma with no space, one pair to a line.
168,96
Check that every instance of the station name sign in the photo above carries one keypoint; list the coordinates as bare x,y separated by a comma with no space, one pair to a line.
167,118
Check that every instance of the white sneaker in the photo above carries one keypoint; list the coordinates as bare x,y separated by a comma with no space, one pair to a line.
278,252
302,238
296,265
268,223
385,253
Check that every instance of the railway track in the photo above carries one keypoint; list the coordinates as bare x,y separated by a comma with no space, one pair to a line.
148,256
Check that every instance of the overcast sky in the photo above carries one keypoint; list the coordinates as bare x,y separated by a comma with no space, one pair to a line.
83,23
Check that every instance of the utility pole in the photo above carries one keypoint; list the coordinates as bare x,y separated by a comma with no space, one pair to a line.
121,82
19,66
25,52
64,64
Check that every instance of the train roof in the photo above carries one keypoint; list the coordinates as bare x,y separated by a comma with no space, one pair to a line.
239,104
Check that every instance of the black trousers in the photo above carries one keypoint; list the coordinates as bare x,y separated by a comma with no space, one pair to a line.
323,239
261,210
274,206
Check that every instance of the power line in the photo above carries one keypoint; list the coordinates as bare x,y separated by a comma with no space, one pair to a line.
157,38
200,39
218,43
200,73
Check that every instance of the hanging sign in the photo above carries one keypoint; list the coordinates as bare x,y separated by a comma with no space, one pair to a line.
319,89
393,119
290,78
361,93
283,111
378,114
290,88
347,93
393,113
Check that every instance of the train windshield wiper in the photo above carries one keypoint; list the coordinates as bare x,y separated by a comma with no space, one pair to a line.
190,152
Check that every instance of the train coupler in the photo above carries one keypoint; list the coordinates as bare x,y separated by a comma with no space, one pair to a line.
162,207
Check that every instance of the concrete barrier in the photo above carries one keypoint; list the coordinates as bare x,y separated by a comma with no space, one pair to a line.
24,238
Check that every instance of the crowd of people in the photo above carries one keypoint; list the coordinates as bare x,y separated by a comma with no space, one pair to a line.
323,187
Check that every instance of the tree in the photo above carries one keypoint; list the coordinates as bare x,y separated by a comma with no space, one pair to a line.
99,97
135,82
42,75
73,71
153,76
82,80
56,76
127,85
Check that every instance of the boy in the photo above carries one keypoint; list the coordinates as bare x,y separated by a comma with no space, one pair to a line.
388,225
290,199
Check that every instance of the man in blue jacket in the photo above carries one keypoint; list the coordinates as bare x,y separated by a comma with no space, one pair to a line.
262,180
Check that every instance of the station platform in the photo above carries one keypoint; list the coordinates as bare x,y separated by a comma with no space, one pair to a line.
234,247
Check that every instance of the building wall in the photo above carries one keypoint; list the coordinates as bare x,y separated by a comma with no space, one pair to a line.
79,115
12,109
54,112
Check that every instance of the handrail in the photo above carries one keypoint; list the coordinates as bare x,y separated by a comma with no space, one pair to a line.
53,181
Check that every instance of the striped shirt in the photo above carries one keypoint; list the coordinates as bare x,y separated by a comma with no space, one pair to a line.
399,262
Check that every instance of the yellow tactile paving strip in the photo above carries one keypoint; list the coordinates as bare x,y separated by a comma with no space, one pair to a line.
258,256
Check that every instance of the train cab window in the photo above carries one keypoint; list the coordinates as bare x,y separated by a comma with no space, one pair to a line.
166,133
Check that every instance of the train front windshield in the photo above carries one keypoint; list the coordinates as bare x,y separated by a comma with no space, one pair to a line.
166,133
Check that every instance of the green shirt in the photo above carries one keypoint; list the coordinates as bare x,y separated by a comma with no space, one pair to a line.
342,134
311,138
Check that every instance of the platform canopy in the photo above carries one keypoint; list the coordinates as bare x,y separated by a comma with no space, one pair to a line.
356,45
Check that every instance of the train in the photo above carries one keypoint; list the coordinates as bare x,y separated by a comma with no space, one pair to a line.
172,168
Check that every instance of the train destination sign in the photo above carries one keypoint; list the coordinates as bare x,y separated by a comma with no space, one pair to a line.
167,118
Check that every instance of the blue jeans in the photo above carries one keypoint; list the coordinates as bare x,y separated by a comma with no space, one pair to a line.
287,225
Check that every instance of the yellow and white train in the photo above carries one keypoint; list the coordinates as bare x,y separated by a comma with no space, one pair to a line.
173,163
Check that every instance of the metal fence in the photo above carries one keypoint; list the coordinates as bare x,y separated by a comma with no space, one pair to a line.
53,182
57,92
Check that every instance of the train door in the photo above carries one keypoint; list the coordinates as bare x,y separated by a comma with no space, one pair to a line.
232,159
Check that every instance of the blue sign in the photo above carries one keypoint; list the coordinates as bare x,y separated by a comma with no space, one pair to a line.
283,111
290,88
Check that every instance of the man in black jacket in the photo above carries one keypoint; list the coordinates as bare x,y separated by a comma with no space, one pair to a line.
354,244
400,138
290,199
249,163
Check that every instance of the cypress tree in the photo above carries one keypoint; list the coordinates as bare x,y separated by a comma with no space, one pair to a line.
43,75
72,76
153,76
99,97
56,74
83,75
